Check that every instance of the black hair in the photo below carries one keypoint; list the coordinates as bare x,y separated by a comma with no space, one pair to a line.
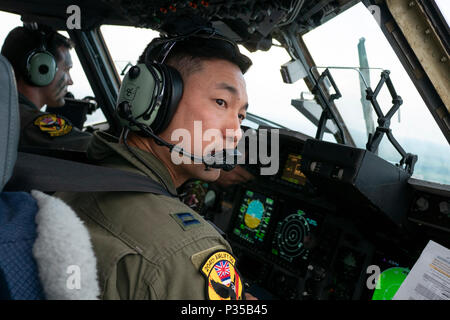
186,55
21,41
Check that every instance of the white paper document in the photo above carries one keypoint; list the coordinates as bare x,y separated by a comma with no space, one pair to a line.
429,279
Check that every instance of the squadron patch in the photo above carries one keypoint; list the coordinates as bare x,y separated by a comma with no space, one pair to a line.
223,281
53,125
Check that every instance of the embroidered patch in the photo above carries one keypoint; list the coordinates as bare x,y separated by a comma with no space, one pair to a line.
223,281
186,220
53,125
198,258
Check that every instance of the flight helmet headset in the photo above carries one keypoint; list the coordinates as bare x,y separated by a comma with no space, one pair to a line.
151,91
40,65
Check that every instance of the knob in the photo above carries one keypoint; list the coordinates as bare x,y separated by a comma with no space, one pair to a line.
422,204
319,274
444,207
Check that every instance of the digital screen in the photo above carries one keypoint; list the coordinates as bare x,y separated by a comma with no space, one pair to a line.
292,172
253,218
295,234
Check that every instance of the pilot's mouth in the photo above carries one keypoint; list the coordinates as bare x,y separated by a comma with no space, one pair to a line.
212,151
213,154
223,154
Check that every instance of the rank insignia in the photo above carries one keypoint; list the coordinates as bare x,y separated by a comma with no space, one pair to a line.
53,125
223,281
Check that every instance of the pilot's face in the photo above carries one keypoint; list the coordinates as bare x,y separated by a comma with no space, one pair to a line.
57,89
215,97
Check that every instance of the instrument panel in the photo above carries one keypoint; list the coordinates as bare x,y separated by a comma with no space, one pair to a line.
292,240
284,230
291,171
284,233
291,249
288,239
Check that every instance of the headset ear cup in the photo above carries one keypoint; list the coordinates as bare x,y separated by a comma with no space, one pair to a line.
173,84
41,68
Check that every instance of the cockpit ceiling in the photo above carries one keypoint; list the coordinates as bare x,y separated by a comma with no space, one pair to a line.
250,22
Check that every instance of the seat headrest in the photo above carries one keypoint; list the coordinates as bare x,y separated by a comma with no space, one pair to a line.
9,121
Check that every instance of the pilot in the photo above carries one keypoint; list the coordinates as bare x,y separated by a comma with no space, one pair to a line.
42,62
152,246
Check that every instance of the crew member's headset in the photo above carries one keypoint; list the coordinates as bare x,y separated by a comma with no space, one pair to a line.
40,65
150,93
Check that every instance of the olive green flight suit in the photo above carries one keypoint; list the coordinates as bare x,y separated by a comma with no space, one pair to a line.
31,134
147,246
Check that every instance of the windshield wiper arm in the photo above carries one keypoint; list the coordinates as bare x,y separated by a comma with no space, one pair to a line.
327,112
384,122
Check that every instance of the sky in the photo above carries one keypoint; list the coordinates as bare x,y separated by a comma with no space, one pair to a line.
444,5
332,44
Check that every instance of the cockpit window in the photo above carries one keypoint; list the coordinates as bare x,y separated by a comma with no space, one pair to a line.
335,44
269,96
126,44
444,7
9,22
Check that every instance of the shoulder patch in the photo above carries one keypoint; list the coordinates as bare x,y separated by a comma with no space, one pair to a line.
223,281
199,258
186,220
53,124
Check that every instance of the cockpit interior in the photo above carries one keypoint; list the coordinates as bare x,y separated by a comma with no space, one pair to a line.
325,204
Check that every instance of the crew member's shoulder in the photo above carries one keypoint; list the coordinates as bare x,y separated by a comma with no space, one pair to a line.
51,125
40,129
155,221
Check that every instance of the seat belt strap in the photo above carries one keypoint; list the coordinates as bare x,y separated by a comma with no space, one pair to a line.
49,174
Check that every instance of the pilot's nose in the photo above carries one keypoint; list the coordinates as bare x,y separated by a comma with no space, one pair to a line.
233,132
69,80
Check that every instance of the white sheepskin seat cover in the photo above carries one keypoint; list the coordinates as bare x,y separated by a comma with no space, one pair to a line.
63,252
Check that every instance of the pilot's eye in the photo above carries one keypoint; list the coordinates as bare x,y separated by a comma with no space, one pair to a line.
241,117
220,102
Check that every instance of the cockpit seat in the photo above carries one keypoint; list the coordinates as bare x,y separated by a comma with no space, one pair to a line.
45,250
